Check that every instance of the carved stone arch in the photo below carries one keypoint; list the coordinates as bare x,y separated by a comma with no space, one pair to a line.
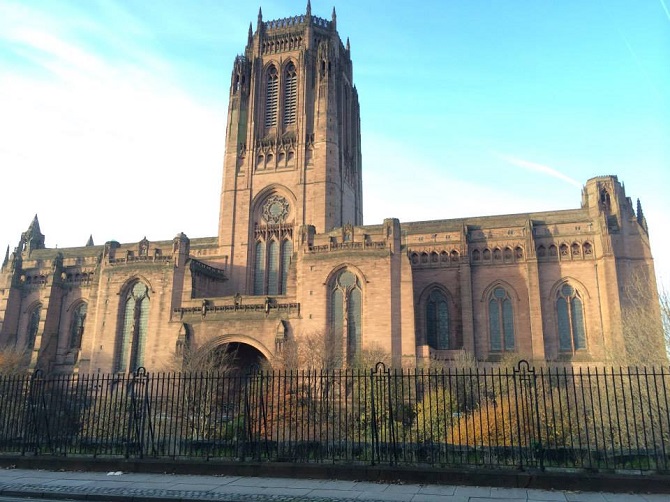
283,65
345,266
433,286
217,341
131,281
576,249
266,193
503,284
572,281
268,64
587,248
31,306
76,302
564,249
486,254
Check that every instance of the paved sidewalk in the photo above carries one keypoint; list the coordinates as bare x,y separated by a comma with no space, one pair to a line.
118,486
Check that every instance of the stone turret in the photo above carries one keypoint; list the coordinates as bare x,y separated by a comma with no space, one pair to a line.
32,238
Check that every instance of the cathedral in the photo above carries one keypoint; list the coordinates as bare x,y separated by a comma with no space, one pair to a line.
293,258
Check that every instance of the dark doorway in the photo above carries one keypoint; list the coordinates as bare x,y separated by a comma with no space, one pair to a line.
237,357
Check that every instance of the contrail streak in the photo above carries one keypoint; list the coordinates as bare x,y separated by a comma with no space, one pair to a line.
539,168
665,8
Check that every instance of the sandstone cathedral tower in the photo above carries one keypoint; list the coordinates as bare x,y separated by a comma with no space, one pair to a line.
293,261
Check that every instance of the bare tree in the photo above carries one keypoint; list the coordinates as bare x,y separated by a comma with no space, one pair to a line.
310,351
12,361
644,323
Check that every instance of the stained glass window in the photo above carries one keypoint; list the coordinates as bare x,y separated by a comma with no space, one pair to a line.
286,255
570,315
346,296
33,326
501,321
437,320
259,269
130,343
273,268
77,325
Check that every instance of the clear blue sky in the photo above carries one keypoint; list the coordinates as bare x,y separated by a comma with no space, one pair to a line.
112,114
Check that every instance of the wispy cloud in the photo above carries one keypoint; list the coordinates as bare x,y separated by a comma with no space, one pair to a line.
538,168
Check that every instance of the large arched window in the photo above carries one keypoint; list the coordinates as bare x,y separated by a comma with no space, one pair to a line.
33,327
345,316
290,94
501,321
437,320
77,325
271,98
570,315
133,330
273,249
272,263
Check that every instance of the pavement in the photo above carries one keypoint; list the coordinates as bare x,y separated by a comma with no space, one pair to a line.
117,486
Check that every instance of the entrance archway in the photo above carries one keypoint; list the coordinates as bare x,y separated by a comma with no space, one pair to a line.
237,357
239,353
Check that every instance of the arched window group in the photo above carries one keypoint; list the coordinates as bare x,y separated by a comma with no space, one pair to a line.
272,261
287,88
501,320
574,250
435,258
506,254
345,306
570,317
131,338
437,320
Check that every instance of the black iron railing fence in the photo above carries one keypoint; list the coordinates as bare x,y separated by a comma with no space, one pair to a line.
611,418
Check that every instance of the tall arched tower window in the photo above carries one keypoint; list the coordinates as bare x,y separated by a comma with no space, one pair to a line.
345,317
570,314
133,330
33,327
437,320
290,94
501,321
77,325
271,98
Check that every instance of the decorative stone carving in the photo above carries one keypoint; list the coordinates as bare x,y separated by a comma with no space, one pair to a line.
275,209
